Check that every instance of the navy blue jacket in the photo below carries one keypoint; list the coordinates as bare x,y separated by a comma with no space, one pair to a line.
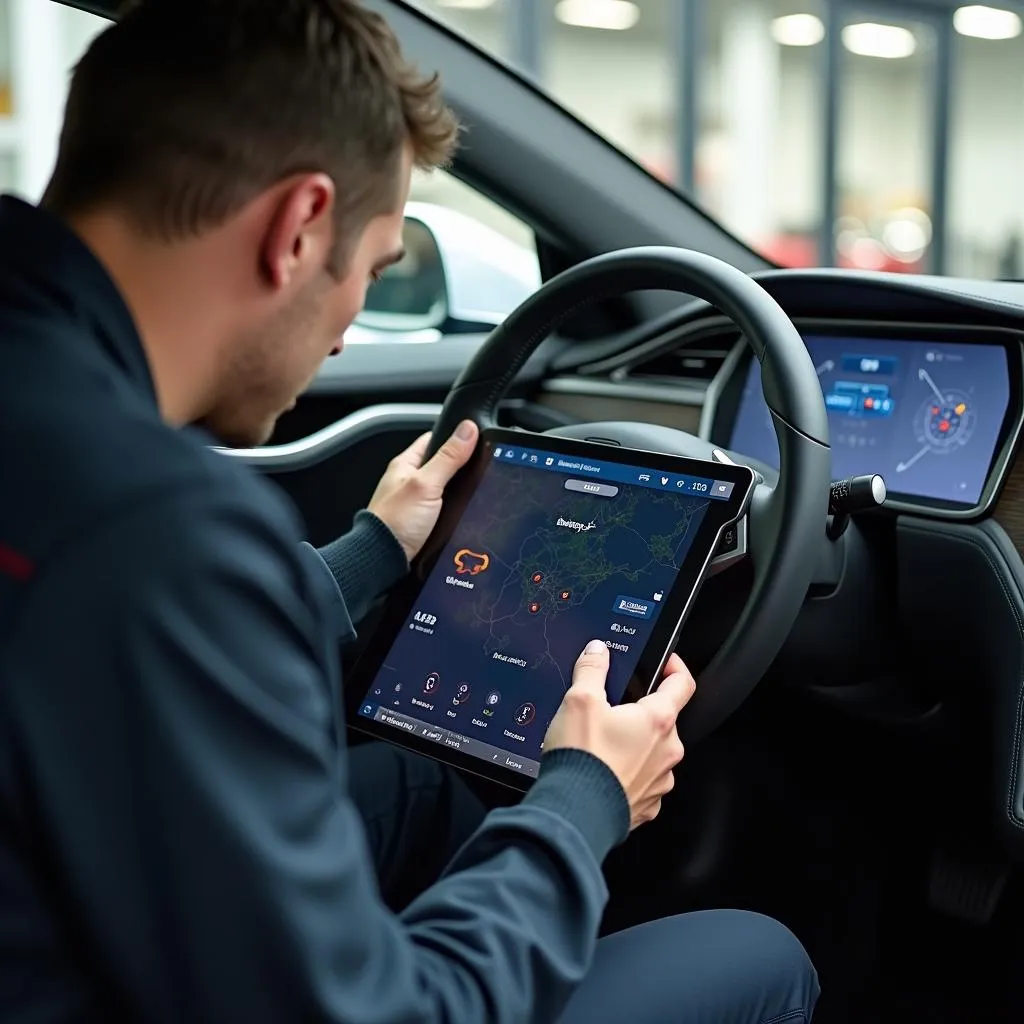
176,839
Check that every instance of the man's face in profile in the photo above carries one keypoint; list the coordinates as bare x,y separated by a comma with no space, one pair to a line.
268,366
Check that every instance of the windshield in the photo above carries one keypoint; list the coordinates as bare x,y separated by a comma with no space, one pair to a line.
895,141
888,135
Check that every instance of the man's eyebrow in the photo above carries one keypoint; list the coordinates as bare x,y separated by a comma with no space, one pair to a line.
390,260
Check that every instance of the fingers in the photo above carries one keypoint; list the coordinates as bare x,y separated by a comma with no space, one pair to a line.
591,669
678,686
646,812
673,665
415,453
650,806
672,695
451,456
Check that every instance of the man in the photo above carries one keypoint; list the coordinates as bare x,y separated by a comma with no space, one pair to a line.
179,833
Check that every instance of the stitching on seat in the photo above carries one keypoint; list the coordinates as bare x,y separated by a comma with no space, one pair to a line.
1011,810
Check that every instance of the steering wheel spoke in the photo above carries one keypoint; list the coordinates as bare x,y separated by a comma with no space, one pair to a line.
732,548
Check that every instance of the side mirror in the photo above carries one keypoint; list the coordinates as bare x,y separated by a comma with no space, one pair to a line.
412,295
458,276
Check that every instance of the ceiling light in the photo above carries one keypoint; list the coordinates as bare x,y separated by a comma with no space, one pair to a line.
987,22
798,30
466,5
907,235
868,39
615,15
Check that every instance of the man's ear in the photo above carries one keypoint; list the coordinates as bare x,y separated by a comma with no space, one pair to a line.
299,232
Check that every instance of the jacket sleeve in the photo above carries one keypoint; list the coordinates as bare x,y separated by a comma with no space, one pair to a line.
189,781
365,563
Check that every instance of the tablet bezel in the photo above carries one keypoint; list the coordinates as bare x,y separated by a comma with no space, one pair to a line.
679,601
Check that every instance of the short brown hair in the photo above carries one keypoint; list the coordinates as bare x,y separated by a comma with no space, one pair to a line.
185,110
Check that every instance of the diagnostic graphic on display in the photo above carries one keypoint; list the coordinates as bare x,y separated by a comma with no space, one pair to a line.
925,416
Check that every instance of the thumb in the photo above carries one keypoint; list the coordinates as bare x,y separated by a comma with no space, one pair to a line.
451,456
591,669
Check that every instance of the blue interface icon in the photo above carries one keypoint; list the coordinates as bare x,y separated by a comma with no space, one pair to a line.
863,400
634,607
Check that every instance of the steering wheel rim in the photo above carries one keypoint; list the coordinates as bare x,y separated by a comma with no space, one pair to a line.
787,521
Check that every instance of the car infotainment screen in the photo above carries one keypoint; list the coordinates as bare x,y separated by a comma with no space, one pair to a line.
550,548
925,415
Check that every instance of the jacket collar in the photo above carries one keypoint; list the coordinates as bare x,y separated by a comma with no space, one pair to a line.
39,250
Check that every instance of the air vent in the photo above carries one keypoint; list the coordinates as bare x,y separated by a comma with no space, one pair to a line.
681,366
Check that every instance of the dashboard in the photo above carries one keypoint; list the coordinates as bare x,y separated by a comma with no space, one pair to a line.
922,382
935,408
930,412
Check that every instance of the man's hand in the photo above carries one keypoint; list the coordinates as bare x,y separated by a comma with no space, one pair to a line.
638,742
408,498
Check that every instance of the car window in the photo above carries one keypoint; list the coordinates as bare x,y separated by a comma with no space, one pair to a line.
437,289
40,42
914,165
468,264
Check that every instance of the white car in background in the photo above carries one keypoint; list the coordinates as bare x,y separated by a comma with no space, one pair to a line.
458,276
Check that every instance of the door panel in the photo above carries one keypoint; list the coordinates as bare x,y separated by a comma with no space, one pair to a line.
368,375
330,475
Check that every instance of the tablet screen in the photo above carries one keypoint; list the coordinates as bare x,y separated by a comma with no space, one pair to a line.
550,551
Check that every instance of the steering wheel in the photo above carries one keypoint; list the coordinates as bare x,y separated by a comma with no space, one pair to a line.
786,518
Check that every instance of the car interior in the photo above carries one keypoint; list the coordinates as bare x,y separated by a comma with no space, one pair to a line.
855,754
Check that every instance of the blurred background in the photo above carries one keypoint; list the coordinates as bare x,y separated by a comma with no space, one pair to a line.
886,135
882,135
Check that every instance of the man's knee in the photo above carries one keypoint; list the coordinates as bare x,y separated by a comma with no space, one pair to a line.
770,964
709,967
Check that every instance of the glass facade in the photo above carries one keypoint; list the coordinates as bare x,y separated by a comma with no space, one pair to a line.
885,135
837,132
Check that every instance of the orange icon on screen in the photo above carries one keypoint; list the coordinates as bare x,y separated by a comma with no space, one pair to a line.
471,562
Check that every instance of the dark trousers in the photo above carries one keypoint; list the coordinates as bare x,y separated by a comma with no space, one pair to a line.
717,967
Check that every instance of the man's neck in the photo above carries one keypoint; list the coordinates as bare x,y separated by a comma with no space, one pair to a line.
167,288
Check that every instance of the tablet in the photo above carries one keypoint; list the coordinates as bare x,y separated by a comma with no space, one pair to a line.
543,544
